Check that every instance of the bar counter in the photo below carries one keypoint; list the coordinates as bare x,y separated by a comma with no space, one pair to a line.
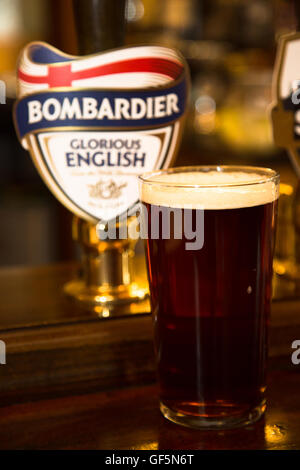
74,381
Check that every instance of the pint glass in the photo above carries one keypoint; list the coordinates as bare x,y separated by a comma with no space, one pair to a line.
210,241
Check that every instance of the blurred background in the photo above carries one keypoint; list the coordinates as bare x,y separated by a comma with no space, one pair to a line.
230,46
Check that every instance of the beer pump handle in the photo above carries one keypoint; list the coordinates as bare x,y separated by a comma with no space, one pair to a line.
107,266
100,24
92,123
285,89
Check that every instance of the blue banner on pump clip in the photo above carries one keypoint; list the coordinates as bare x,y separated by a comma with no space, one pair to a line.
100,109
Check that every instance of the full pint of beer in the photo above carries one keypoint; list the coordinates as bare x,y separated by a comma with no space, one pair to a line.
210,242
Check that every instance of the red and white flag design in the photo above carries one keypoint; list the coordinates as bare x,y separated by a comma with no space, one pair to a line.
42,67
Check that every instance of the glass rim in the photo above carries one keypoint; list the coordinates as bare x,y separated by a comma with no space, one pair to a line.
270,176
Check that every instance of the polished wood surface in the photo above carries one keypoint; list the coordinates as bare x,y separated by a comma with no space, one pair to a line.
130,419
31,297
73,381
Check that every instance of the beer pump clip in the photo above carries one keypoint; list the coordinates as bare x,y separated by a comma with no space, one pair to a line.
285,109
92,124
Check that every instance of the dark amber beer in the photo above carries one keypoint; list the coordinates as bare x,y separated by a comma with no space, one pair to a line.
211,304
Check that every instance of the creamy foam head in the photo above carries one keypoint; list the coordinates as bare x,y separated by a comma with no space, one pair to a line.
210,189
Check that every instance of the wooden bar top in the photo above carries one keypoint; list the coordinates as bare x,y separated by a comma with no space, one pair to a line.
73,381
130,419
